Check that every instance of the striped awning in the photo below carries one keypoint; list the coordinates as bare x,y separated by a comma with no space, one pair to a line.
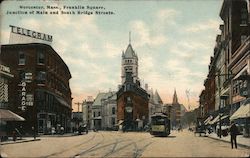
7,115
242,112
216,119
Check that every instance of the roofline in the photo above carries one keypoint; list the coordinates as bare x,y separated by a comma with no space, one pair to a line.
39,44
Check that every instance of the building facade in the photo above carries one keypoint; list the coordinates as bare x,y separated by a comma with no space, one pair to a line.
155,103
40,90
87,111
109,111
235,15
5,76
230,66
132,104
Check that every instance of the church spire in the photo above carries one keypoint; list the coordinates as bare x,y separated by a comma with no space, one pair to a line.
129,37
175,98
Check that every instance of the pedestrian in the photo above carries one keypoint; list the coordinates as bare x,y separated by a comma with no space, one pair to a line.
14,135
233,132
62,130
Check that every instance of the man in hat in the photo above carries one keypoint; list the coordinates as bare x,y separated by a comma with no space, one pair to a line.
233,132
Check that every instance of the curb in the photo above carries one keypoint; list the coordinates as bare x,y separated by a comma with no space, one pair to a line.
241,145
24,141
59,135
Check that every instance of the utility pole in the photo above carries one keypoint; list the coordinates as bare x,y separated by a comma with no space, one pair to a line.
78,105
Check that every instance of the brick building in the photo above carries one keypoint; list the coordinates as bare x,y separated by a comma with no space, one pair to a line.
132,104
235,15
40,90
209,84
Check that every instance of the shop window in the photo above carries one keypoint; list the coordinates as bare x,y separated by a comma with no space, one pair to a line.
40,57
21,58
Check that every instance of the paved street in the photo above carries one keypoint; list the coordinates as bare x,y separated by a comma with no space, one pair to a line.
117,144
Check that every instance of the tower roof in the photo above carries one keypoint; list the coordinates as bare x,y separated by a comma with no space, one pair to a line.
175,98
157,98
129,53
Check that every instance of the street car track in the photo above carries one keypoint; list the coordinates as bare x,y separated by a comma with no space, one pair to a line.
95,148
91,148
77,145
136,151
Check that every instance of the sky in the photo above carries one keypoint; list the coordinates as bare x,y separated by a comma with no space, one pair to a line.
173,39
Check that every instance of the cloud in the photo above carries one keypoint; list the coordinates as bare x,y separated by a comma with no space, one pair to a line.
145,36
166,16
203,26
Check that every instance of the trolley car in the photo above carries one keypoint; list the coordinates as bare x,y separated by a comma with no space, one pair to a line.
160,125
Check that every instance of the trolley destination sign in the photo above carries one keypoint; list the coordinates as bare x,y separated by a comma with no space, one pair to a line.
31,33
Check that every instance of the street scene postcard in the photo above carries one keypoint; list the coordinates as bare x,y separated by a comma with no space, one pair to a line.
116,78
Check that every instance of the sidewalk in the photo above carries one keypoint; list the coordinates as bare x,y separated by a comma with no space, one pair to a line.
241,141
38,138
24,139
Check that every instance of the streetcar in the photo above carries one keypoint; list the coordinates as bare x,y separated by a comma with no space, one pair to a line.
160,125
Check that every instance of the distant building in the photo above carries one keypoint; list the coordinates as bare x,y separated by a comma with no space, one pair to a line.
167,108
87,111
77,120
177,111
104,110
155,103
40,90
96,118
109,111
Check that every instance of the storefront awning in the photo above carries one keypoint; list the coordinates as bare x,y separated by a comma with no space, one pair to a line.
207,120
242,112
214,120
224,117
120,122
62,101
7,115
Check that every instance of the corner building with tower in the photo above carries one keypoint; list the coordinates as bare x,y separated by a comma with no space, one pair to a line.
132,99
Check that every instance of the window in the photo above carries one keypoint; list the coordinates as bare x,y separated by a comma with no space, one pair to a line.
22,75
99,113
41,77
113,121
40,57
243,16
243,38
113,110
21,58
94,113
